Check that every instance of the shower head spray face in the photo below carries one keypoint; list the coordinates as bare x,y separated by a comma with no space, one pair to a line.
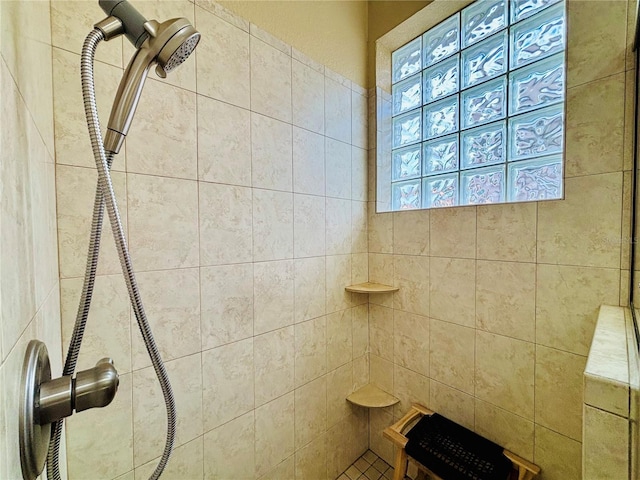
178,47
167,45
182,53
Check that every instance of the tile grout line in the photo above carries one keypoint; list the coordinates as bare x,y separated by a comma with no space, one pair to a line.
197,125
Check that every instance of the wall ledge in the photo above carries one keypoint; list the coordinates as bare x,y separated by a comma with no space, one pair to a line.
606,375
610,409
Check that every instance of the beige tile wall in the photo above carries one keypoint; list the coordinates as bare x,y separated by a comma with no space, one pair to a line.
497,304
244,198
260,338
29,286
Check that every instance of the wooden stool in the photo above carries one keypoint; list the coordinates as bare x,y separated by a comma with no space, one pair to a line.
522,469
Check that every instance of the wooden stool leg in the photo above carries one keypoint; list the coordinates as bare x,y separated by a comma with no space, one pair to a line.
422,475
401,464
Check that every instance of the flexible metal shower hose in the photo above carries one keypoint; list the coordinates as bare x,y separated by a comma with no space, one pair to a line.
106,195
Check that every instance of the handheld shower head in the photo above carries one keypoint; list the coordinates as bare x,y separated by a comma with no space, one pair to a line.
174,40
167,45
178,49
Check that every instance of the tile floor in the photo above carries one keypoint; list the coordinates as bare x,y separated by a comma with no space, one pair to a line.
368,467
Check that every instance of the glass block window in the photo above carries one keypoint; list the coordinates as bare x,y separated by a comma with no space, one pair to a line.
478,107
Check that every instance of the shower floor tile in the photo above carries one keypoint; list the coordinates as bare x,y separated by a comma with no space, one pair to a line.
369,467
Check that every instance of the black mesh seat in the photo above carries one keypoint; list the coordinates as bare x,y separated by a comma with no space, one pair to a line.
456,453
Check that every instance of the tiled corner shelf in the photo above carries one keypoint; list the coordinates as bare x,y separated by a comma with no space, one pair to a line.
371,287
371,396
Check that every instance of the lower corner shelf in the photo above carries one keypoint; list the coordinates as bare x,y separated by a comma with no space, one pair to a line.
371,287
372,396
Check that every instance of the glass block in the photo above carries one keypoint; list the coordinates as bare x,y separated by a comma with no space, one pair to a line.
483,185
484,145
441,79
481,19
407,94
407,60
521,9
484,103
539,179
537,85
406,129
536,133
406,195
441,118
406,163
441,155
538,37
485,60
442,40
440,191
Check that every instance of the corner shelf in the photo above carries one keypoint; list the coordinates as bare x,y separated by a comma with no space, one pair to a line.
371,287
371,396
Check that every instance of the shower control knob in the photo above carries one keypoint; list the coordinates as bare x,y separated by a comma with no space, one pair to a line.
91,388
97,386
44,401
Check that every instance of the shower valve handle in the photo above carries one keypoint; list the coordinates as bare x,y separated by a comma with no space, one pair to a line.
91,388
44,401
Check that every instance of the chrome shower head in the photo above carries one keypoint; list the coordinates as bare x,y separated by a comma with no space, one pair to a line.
167,45
173,40
189,38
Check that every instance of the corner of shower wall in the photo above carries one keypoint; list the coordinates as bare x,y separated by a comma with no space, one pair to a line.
29,286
